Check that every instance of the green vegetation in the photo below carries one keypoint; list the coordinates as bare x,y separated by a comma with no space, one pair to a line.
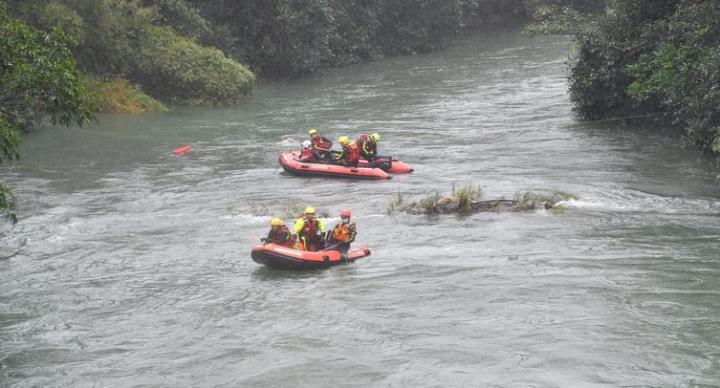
429,202
465,196
193,51
123,39
118,95
285,38
565,16
653,58
38,80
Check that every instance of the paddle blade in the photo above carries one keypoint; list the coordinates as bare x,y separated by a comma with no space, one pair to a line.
182,150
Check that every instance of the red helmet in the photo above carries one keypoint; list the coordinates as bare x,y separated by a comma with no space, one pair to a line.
345,213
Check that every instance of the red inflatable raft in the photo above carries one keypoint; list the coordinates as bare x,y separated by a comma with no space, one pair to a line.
388,164
289,161
279,257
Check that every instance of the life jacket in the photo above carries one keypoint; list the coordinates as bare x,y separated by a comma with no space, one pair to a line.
310,228
321,144
282,236
344,232
366,146
351,153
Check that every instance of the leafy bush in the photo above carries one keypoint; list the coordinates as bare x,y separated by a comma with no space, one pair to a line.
38,77
654,57
176,67
118,39
119,96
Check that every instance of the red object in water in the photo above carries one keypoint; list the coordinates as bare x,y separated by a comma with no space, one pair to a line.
182,150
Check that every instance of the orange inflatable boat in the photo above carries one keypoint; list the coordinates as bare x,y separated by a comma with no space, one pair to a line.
290,162
280,257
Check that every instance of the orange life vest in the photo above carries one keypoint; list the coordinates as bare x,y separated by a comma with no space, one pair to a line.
343,232
351,154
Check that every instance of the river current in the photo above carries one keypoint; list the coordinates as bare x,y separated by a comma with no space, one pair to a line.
130,267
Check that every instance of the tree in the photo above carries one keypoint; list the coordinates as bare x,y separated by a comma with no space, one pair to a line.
653,58
132,40
38,80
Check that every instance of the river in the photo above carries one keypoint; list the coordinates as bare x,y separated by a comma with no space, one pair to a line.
132,266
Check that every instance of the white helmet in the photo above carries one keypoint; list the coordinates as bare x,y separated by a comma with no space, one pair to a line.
306,144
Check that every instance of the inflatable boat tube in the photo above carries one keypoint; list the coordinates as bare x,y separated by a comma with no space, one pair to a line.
280,257
388,164
289,161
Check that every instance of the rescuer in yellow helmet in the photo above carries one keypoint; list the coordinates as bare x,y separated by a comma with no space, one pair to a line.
279,234
368,146
350,155
310,231
320,146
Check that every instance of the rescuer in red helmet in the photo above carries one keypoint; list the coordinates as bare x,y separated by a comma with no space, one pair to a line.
343,233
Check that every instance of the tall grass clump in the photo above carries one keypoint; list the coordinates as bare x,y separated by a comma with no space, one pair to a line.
429,202
466,195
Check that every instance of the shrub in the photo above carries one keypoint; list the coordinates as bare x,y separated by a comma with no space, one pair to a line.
118,39
119,96
179,69
653,58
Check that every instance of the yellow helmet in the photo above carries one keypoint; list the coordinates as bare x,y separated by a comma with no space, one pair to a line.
375,137
309,210
312,131
276,222
343,140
